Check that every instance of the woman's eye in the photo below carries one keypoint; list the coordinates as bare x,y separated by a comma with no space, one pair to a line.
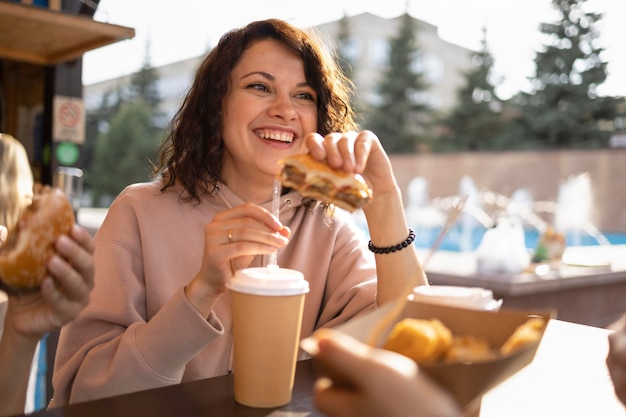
306,96
258,87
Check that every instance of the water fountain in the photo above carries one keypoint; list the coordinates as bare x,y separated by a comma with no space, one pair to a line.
484,208
573,210
468,219
422,217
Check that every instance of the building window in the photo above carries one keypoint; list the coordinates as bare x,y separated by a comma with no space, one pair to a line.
378,52
351,49
433,71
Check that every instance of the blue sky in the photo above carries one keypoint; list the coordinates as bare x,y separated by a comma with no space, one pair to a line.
180,29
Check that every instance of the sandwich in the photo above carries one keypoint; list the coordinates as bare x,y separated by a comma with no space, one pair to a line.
317,180
30,244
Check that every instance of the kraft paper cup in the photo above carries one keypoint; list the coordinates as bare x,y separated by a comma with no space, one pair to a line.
267,305
456,296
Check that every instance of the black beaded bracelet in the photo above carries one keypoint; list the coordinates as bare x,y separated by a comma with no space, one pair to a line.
391,249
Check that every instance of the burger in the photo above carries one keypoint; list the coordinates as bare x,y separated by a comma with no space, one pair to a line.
317,180
30,244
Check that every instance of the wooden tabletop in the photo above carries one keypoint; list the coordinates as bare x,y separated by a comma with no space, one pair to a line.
568,377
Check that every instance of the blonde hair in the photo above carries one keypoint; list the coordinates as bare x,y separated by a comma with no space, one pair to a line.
16,180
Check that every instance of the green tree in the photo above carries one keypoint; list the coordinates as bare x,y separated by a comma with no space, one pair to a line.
124,154
127,127
564,109
400,117
96,122
476,120
346,54
345,48
144,83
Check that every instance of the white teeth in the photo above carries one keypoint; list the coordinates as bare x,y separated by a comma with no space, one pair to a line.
283,137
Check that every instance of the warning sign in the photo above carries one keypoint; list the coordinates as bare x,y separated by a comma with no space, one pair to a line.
68,123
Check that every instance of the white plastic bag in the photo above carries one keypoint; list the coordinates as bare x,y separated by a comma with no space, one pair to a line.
503,248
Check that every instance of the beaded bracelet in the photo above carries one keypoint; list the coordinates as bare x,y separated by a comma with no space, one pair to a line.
391,249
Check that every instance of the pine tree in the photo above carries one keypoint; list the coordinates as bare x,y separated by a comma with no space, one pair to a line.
144,83
96,122
344,55
400,117
476,120
127,129
564,109
125,152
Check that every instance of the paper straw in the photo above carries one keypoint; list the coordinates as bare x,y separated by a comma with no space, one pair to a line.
273,258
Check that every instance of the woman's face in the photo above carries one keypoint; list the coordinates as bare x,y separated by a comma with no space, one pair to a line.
268,110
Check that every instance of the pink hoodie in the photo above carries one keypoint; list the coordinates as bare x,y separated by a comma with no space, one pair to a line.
140,332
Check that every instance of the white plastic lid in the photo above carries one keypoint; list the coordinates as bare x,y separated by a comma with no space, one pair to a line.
470,297
272,281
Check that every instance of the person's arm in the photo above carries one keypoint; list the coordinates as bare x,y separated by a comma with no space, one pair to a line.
362,152
16,357
358,380
63,294
398,272
616,358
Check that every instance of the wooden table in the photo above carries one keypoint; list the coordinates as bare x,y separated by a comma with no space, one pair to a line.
592,295
568,377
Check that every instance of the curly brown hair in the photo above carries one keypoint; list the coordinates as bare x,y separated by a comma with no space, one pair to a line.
193,148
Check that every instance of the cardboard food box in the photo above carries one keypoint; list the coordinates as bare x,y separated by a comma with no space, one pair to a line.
466,381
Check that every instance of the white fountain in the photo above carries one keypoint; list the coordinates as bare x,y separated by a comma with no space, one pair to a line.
573,210
521,204
424,219
468,220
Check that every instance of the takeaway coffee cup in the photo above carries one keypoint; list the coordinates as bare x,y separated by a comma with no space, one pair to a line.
467,297
267,305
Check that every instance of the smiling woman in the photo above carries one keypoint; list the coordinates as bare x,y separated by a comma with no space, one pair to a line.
168,248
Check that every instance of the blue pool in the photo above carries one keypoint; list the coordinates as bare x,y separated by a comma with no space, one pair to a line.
459,240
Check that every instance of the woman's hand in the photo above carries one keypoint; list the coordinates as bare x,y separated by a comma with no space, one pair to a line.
231,240
64,293
362,152
616,358
364,381
359,152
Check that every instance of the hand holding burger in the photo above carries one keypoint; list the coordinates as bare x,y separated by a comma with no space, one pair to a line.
349,169
315,179
24,255
63,292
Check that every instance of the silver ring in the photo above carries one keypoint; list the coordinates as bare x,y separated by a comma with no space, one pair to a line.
230,235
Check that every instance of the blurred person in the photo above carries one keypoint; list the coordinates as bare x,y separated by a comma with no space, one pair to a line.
63,294
160,313
16,182
616,358
362,381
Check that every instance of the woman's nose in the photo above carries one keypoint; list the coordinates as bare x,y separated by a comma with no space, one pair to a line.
283,107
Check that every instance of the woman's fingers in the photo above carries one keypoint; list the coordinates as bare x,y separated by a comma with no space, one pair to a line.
348,151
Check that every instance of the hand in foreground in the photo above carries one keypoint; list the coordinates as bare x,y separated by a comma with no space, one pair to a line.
616,358
363,381
63,294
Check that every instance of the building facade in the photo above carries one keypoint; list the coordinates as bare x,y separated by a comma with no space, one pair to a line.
441,62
